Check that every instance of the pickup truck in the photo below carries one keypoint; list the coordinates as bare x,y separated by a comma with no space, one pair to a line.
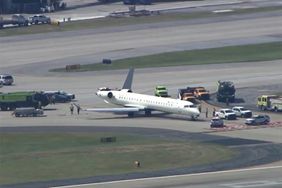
242,112
42,19
226,113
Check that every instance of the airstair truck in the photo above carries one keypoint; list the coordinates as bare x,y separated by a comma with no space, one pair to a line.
13,100
270,102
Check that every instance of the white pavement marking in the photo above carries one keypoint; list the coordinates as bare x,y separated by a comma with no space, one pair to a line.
222,11
80,18
253,184
184,175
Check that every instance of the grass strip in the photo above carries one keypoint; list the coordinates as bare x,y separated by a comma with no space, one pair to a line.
230,54
122,21
30,157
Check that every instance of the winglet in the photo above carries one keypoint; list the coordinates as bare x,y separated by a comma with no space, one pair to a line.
128,82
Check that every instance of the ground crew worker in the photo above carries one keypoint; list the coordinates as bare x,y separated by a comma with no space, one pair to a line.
78,108
227,101
213,112
200,108
137,164
207,112
71,109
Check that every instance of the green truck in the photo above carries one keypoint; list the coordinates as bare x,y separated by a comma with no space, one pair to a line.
161,91
13,100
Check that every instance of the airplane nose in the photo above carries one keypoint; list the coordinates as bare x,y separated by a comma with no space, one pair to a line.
197,112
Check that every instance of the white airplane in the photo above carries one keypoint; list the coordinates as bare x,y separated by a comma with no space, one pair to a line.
133,102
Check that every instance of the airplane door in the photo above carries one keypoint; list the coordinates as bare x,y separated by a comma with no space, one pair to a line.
179,109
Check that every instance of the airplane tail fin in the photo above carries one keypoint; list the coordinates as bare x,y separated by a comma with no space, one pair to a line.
128,82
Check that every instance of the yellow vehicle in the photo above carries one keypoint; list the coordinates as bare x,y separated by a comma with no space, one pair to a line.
270,102
186,94
201,93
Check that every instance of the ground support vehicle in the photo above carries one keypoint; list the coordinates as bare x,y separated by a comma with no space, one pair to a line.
242,112
13,100
216,122
59,96
27,112
225,91
17,19
226,114
134,2
258,120
6,79
270,102
161,91
186,94
201,93
39,19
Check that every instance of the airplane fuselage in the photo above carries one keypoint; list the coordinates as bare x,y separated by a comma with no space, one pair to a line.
149,102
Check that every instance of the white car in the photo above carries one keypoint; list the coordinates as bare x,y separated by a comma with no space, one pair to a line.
242,112
6,79
226,113
258,120
216,122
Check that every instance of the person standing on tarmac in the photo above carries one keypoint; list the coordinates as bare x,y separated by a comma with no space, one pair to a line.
71,109
213,112
78,109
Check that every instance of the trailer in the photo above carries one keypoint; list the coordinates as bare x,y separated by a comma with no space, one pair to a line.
27,112
16,20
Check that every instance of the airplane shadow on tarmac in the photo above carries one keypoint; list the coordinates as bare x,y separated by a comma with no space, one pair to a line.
140,116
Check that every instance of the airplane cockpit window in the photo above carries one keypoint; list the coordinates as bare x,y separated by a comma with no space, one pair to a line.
190,106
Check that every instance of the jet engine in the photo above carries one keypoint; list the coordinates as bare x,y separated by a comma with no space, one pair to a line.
110,95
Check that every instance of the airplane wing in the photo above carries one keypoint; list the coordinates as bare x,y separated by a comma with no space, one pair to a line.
114,110
123,110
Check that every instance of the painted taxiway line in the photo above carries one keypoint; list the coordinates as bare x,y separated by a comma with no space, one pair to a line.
175,176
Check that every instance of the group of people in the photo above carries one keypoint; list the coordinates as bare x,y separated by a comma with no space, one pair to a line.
78,108
207,111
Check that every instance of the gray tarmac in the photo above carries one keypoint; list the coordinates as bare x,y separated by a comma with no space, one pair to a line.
46,51
36,56
245,178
